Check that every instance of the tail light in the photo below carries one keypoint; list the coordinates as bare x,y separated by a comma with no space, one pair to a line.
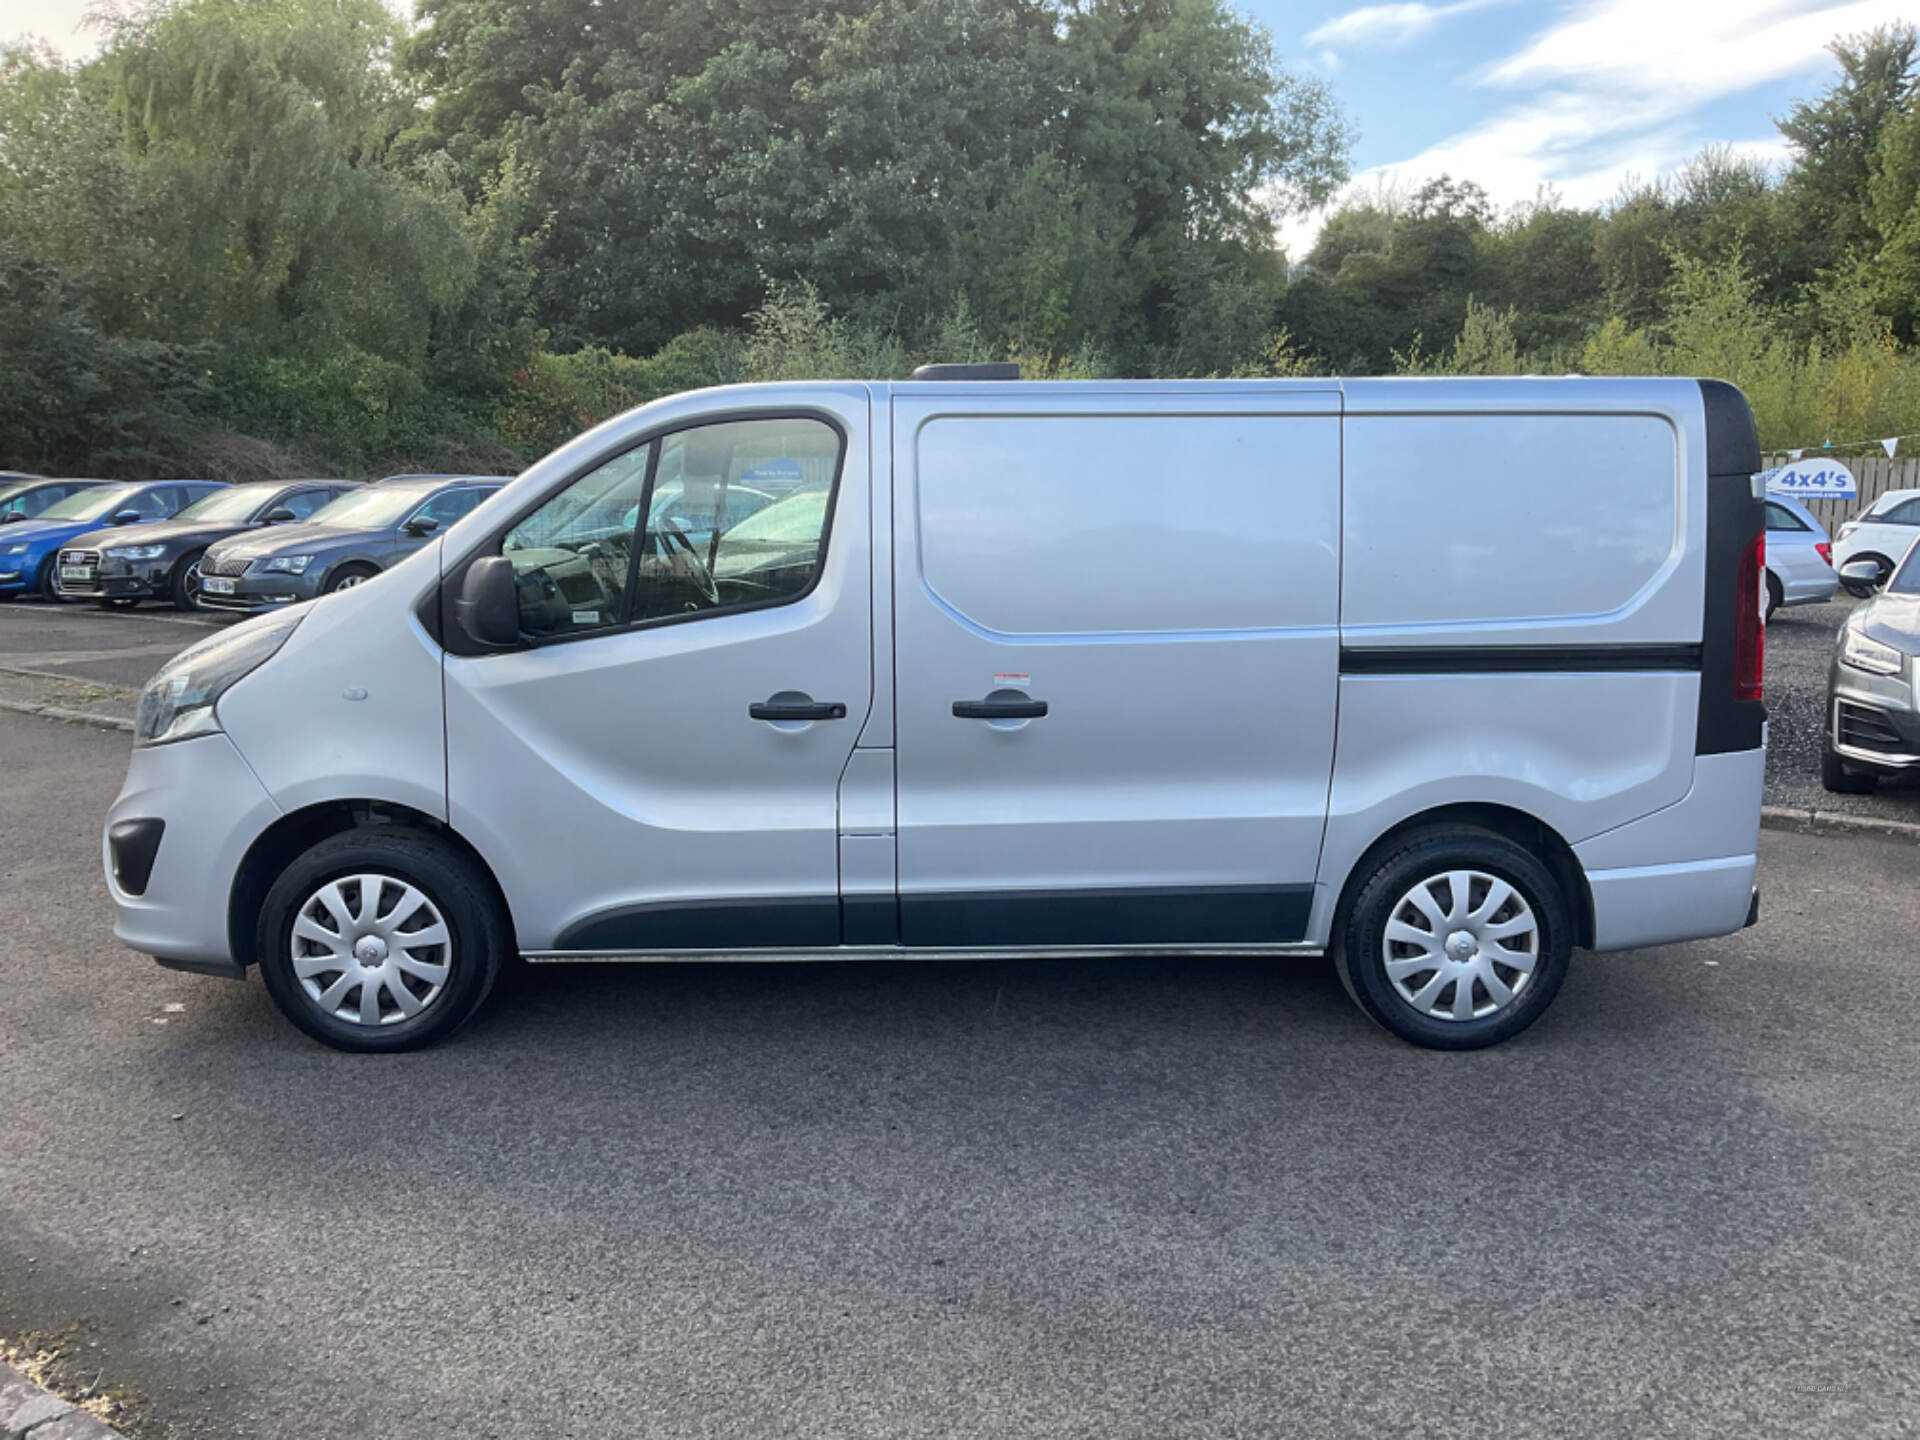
1749,628
1825,551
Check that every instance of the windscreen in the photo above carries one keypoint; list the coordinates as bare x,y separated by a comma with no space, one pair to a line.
370,508
236,504
89,504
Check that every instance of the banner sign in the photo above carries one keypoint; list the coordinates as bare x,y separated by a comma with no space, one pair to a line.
1812,480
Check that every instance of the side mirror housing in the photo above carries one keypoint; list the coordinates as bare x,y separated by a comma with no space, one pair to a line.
489,605
1860,577
126,517
421,525
7,517
279,515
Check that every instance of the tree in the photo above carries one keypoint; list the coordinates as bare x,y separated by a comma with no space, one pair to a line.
1835,136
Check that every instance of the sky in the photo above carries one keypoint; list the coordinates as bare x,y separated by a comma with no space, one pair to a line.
1579,95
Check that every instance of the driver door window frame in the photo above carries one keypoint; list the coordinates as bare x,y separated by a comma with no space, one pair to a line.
446,627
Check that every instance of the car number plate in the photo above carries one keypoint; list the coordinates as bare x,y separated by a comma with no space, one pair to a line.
214,585
75,572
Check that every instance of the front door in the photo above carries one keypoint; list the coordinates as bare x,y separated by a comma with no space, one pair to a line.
1117,655
655,768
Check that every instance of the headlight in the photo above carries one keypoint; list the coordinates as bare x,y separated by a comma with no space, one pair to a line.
286,565
1869,655
137,552
178,702
14,550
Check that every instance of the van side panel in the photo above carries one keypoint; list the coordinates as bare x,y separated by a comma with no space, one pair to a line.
1521,607
1163,574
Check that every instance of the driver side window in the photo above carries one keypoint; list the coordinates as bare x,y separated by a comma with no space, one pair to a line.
736,518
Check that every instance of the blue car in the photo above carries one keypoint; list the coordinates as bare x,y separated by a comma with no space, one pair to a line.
29,549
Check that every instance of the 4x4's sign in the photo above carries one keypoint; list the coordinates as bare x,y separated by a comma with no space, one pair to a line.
1812,480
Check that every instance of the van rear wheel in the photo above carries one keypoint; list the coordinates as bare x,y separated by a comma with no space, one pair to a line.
1456,939
381,940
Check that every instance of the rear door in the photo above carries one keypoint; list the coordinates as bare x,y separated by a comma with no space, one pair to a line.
1116,659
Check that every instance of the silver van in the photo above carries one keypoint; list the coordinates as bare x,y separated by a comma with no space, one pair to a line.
1443,678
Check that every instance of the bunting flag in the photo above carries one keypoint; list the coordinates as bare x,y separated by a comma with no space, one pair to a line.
1795,454
1890,444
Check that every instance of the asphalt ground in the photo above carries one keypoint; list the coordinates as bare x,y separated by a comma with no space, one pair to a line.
1139,1198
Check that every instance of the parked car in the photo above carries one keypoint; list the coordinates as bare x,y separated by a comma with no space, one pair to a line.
30,549
22,497
338,546
160,560
1880,533
972,687
1873,726
1799,556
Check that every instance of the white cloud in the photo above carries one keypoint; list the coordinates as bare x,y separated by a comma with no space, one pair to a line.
1611,91
1389,25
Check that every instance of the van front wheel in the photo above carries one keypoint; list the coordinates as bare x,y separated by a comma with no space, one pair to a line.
1457,939
380,940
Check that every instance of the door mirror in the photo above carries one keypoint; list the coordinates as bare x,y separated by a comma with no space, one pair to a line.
7,517
421,525
489,605
126,517
1860,577
279,515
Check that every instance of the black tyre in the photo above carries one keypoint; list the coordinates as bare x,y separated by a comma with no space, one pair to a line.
381,939
43,582
1776,597
185,582
1841,779
1451,908
348,576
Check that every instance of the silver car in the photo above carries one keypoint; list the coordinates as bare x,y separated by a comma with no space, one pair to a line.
1799,556
1873,725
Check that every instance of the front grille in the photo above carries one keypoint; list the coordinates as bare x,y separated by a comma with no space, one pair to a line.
233,565
79,557
1861,727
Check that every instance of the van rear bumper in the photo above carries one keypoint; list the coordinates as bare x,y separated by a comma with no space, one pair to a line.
1685,872
1661,904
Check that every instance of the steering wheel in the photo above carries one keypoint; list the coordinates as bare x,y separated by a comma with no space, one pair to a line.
696,567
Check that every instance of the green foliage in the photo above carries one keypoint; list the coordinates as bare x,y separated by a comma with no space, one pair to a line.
274,236
1841,387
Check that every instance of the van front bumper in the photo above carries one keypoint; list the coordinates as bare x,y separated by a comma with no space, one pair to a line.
186,816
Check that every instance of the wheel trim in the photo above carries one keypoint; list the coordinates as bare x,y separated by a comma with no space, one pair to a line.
1461,945
190,581
370,949
347,582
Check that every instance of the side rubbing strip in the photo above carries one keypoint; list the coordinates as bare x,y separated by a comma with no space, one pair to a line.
1515,659
1200,915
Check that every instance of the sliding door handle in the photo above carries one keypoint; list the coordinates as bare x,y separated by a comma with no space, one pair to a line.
789,705
992,709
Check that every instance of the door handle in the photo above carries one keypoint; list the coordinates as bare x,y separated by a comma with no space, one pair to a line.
992,709
796,707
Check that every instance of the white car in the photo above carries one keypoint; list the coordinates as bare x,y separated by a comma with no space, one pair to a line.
1880,533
